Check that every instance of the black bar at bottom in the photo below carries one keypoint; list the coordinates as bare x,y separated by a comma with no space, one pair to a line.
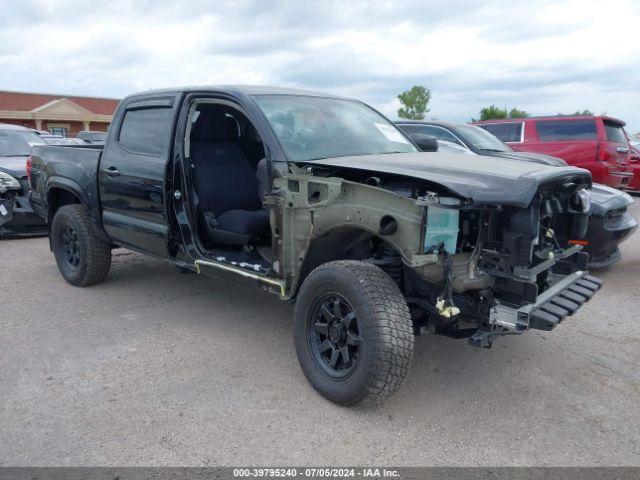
323,472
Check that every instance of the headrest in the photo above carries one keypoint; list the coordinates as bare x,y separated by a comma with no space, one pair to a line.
215,127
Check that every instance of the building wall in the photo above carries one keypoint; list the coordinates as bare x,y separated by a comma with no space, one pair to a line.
71,113
99,126
72,127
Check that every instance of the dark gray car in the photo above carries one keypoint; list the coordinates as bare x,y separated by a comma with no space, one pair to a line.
92,137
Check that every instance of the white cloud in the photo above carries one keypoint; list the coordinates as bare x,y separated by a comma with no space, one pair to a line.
541,56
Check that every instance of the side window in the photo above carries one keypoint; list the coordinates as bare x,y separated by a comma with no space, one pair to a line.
615,132
438,132
408,129
146,130
507,132
559,130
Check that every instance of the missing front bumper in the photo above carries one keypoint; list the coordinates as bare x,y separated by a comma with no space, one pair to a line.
552,306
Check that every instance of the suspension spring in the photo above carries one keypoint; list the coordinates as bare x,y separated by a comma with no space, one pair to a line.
392,264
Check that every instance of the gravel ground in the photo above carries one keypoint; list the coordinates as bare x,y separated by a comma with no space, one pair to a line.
157,367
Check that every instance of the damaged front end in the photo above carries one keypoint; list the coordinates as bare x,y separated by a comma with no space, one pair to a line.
17,218
468,267
9,189
512,268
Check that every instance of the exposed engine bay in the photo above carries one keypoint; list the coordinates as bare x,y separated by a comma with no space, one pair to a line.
494,269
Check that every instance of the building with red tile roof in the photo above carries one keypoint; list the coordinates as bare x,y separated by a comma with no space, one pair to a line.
60,114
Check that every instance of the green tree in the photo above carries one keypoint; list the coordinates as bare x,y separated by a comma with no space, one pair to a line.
493,113
414,103
515,113
577,112
497,113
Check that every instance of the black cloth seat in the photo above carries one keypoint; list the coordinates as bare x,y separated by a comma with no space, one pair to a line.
230,211
244,222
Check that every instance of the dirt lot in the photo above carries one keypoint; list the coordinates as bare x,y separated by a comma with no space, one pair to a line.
156,367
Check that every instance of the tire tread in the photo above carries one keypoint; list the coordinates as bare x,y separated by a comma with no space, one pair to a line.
395,340
98,257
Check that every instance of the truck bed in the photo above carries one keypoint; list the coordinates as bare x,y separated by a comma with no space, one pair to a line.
72,168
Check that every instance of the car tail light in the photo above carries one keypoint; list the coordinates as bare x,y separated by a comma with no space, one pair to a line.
603,154
29,168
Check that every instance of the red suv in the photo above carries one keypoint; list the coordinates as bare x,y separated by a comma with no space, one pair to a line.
596,143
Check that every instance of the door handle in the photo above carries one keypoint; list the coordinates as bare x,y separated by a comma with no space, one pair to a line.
113,171
622,150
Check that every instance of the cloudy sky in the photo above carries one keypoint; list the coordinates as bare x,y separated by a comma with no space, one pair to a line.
542,56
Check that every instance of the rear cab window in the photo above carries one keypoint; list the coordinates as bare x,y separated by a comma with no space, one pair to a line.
566,130
508,132
146,131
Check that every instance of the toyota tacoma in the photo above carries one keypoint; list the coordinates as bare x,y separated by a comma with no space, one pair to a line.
323,201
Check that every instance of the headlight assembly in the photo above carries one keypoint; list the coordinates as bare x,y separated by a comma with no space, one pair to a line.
581,201
8,182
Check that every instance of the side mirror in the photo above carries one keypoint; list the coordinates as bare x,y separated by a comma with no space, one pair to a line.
426,143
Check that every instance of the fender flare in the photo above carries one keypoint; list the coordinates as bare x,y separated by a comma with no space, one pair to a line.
61,183
92,204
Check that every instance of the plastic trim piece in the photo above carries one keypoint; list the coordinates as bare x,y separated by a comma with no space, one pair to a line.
280,284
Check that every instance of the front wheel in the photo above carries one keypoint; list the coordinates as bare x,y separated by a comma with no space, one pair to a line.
82,258
353,332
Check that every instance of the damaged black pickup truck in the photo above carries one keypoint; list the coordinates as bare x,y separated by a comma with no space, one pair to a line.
323,201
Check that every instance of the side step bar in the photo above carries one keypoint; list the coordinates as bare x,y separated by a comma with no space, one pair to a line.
561,300
553,305
565,303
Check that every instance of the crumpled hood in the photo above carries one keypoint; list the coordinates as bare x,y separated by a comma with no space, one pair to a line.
14,166
484,180
532,157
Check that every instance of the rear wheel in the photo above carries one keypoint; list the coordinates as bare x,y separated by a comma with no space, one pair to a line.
353,332
82,258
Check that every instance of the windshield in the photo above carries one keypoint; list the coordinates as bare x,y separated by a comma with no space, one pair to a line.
17,143
481,139
310,128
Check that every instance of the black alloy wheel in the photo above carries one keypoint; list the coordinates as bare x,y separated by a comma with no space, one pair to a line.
335,336
353,332
70,246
